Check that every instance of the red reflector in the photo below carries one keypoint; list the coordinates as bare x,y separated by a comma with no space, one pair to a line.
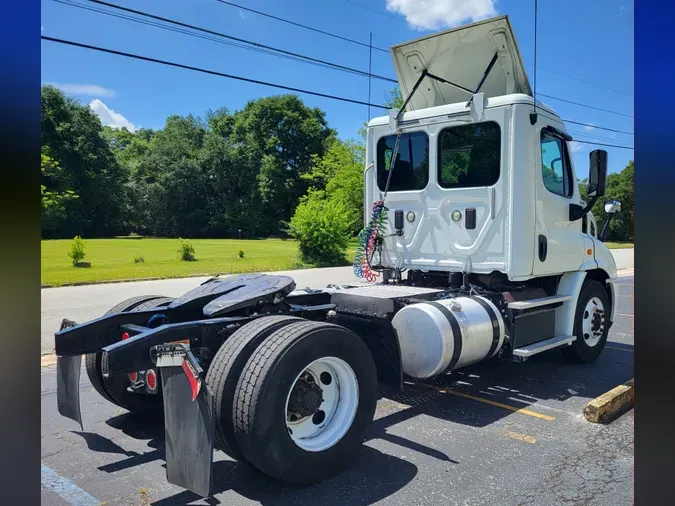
195,383
133,376
125,336
151,379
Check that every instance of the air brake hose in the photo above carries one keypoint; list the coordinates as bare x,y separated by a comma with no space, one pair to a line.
370,236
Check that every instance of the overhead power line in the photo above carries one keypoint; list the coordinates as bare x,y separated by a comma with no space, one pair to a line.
584,81
387,14
246,79
302,26
601,144
207,71
592,136
185,28
596,126
402,20
585,105
241,43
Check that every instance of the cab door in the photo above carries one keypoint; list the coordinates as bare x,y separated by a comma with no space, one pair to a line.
559,243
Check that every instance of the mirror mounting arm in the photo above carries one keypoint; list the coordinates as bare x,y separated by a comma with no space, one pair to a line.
605,228
577,212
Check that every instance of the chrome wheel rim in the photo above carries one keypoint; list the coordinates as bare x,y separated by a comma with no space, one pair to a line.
593,322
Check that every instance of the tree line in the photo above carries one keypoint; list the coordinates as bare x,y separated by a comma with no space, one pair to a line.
273,168
213,177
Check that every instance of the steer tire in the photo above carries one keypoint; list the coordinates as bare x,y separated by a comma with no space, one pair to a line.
580,351
225,370
263,392
114,388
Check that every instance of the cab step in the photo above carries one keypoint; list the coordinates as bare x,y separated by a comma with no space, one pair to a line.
538,302
541,346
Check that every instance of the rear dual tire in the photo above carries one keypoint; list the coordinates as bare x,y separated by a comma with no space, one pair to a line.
316,379
115,388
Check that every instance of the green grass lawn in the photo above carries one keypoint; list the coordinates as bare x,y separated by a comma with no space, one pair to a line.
619,245
113,259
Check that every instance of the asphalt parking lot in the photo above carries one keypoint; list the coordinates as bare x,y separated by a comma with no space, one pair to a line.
497,433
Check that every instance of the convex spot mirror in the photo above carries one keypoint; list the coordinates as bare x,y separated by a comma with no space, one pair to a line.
597,173
613,206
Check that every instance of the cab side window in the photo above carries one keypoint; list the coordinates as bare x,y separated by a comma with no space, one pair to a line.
555,166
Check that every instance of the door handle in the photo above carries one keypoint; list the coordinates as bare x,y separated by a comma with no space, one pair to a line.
543,248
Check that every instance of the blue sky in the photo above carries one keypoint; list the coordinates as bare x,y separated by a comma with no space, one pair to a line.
578,40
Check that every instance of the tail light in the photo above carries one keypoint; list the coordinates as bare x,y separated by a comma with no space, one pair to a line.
151,380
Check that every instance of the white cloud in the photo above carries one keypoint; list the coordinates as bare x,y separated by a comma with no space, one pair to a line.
242,15
436,14
589,127
575,146
85,89
109,117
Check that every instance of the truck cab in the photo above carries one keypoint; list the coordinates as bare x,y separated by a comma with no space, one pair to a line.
485,181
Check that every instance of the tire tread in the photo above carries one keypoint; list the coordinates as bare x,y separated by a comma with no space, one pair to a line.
92,361
252,382
221,369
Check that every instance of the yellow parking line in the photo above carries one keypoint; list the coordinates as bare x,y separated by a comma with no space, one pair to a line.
521,437
629,350
515,409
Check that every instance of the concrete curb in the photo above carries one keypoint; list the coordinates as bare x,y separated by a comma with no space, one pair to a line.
624,273
629,271
605,407
133,280
47,360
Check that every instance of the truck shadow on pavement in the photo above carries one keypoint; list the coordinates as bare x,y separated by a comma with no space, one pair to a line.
373,478
377,475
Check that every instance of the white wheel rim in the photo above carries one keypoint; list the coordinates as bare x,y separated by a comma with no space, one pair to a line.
340,400
593,322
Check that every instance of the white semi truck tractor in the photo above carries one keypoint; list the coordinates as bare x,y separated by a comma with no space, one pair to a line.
477,246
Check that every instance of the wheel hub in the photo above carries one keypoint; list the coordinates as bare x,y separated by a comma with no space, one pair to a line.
306,397
593,321
322,404
597,321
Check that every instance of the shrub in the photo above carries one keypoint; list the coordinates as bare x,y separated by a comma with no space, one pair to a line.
322,228
186,250
241,253
76,252
138,260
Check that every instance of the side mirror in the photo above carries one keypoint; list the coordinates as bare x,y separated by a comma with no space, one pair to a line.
612,206
597,173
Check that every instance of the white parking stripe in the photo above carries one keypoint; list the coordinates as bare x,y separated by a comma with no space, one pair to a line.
65,488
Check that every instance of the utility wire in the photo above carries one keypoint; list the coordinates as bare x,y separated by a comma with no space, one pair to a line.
254,81
255,46
385,50
592,136
596,126
245,44
387,14
601,144
584,81
301,25
585,105
207,71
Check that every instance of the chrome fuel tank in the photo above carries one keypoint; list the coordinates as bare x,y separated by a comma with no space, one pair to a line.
438,337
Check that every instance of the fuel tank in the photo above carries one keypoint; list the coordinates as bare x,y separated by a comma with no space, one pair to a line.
440,336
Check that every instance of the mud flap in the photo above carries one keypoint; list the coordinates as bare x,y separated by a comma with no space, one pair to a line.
188,420
68,387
